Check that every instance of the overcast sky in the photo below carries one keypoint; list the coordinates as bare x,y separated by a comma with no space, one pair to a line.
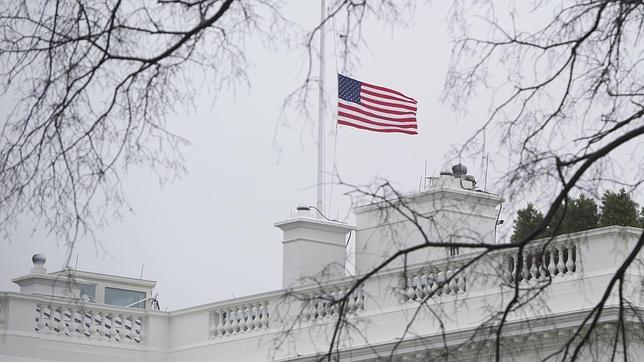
209,235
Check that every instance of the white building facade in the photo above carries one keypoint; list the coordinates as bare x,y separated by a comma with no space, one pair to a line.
435,303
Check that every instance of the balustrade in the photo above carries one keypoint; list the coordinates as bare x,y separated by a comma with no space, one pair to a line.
553,261
3,319
239,319
448,280
326,304
87,323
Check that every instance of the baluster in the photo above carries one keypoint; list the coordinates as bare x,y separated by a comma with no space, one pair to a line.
441,283
561,267
543,273
40,319
132,331
423,284
351,301
234,325
570,264
102,329
461,283
447,287
90,325
141,335
360,299
265,315
328,308
434,280
48,318
440,279
453,286
316,305
59,319
72,326
227,321
122,331
410,290
525,271
514,269
427,284
337,295
242,319
418,288
260,310
248,324
322,305
252,315
552,267
248,312
534,275
79,317
219,327
112,331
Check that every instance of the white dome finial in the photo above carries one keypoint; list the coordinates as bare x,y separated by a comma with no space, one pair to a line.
39,264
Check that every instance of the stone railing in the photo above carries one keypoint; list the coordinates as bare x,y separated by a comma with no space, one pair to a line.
239,329
555,260
3,317
433,282
84,321
239,319
324,304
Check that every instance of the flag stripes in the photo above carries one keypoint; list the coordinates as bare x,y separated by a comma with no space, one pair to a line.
375,108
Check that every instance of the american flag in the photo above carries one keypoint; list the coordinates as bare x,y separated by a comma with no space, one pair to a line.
375,108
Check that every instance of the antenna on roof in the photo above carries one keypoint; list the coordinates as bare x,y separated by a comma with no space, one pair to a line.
76,266
141,276
425,173
487,162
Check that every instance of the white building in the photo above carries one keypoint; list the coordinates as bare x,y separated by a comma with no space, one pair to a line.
416,310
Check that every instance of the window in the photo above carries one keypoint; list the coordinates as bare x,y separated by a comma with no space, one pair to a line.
89,291
454,250
123,297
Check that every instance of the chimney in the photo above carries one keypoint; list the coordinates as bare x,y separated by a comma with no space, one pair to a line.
453,210
312,248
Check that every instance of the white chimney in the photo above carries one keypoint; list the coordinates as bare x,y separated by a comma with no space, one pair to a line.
312,248
453,211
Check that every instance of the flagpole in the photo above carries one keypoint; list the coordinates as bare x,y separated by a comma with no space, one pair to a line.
321,128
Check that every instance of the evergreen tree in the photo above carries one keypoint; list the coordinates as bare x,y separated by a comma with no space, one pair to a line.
582,214
526,222
618,208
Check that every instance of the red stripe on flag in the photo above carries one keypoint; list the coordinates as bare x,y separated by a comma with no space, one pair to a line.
393,105
386,130
367,113
383,95
387,90
366,120
384,110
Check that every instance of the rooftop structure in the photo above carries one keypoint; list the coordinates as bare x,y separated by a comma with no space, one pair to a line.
418,307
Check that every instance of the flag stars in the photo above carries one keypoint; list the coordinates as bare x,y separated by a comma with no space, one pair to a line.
349,89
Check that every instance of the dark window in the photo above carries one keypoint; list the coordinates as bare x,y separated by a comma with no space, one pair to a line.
453,251
123,297
88,290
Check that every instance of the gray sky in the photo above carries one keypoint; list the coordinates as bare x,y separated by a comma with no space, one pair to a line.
209,235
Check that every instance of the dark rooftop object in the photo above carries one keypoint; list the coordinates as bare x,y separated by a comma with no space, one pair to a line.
459,170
